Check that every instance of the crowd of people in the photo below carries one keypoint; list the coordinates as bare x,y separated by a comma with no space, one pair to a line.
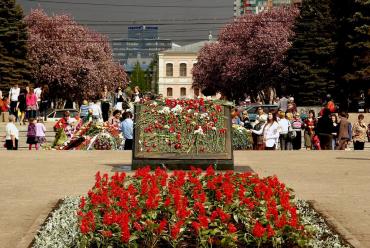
31,106
285,129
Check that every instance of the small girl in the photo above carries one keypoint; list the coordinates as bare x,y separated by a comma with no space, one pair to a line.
31,134
40,132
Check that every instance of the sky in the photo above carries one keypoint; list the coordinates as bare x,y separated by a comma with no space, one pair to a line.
184,22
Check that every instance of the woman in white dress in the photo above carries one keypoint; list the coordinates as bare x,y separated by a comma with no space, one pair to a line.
270,132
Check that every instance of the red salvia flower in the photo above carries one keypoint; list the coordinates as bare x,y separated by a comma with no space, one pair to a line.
231,228
258,230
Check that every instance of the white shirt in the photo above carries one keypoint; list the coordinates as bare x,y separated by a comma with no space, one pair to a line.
270,133
37,92
284,126
14,93
11,129
96,111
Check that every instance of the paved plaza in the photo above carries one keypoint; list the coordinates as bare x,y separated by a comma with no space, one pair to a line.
32,182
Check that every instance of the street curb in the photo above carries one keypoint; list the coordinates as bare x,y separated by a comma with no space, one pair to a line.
28,237
339,228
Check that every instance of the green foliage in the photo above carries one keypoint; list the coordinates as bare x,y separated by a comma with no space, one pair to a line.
14,66
138,78
358,44
311,58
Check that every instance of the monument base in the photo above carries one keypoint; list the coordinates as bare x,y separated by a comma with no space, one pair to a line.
178,164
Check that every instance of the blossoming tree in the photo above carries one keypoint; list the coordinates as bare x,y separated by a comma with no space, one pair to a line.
249,55
74,61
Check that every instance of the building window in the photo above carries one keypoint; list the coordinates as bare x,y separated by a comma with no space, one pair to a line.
169,70
169,91
183,91
182,70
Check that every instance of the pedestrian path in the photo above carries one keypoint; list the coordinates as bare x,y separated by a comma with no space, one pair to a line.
31,183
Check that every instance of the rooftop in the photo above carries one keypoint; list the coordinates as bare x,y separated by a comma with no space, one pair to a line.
190,48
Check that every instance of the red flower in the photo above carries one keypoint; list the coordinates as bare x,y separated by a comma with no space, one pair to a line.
137,226
162,225
210,171
258,230
167,202
83,202
231,228
196,226
270,231
203,220
176,229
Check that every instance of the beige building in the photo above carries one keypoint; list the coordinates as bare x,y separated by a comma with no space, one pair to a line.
175,71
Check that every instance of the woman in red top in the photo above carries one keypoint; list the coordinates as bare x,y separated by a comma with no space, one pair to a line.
31,103
309,127
4,109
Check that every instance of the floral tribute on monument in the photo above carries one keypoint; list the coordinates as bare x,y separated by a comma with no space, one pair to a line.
182,126
93,136
189,209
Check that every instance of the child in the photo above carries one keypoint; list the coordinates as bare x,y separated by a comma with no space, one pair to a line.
40,132
31,134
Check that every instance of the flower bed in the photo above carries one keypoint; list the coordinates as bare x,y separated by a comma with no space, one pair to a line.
182,126
191,209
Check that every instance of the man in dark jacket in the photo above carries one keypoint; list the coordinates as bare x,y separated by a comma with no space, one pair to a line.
344,134
324,130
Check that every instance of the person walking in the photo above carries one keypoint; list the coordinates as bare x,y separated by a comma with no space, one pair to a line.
22,106
245,120
31,134
38,92
359,133
258,143
136,96
44,101
31,103
334,142
324,130
96,111
283,104
127,129
297,126
309,125
13,96
4,109
344,132
12,134
40,132
84,111
106,102
270,132
284,125
115,119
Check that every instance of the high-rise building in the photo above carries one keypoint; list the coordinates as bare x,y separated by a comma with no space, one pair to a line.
142,45
242,7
